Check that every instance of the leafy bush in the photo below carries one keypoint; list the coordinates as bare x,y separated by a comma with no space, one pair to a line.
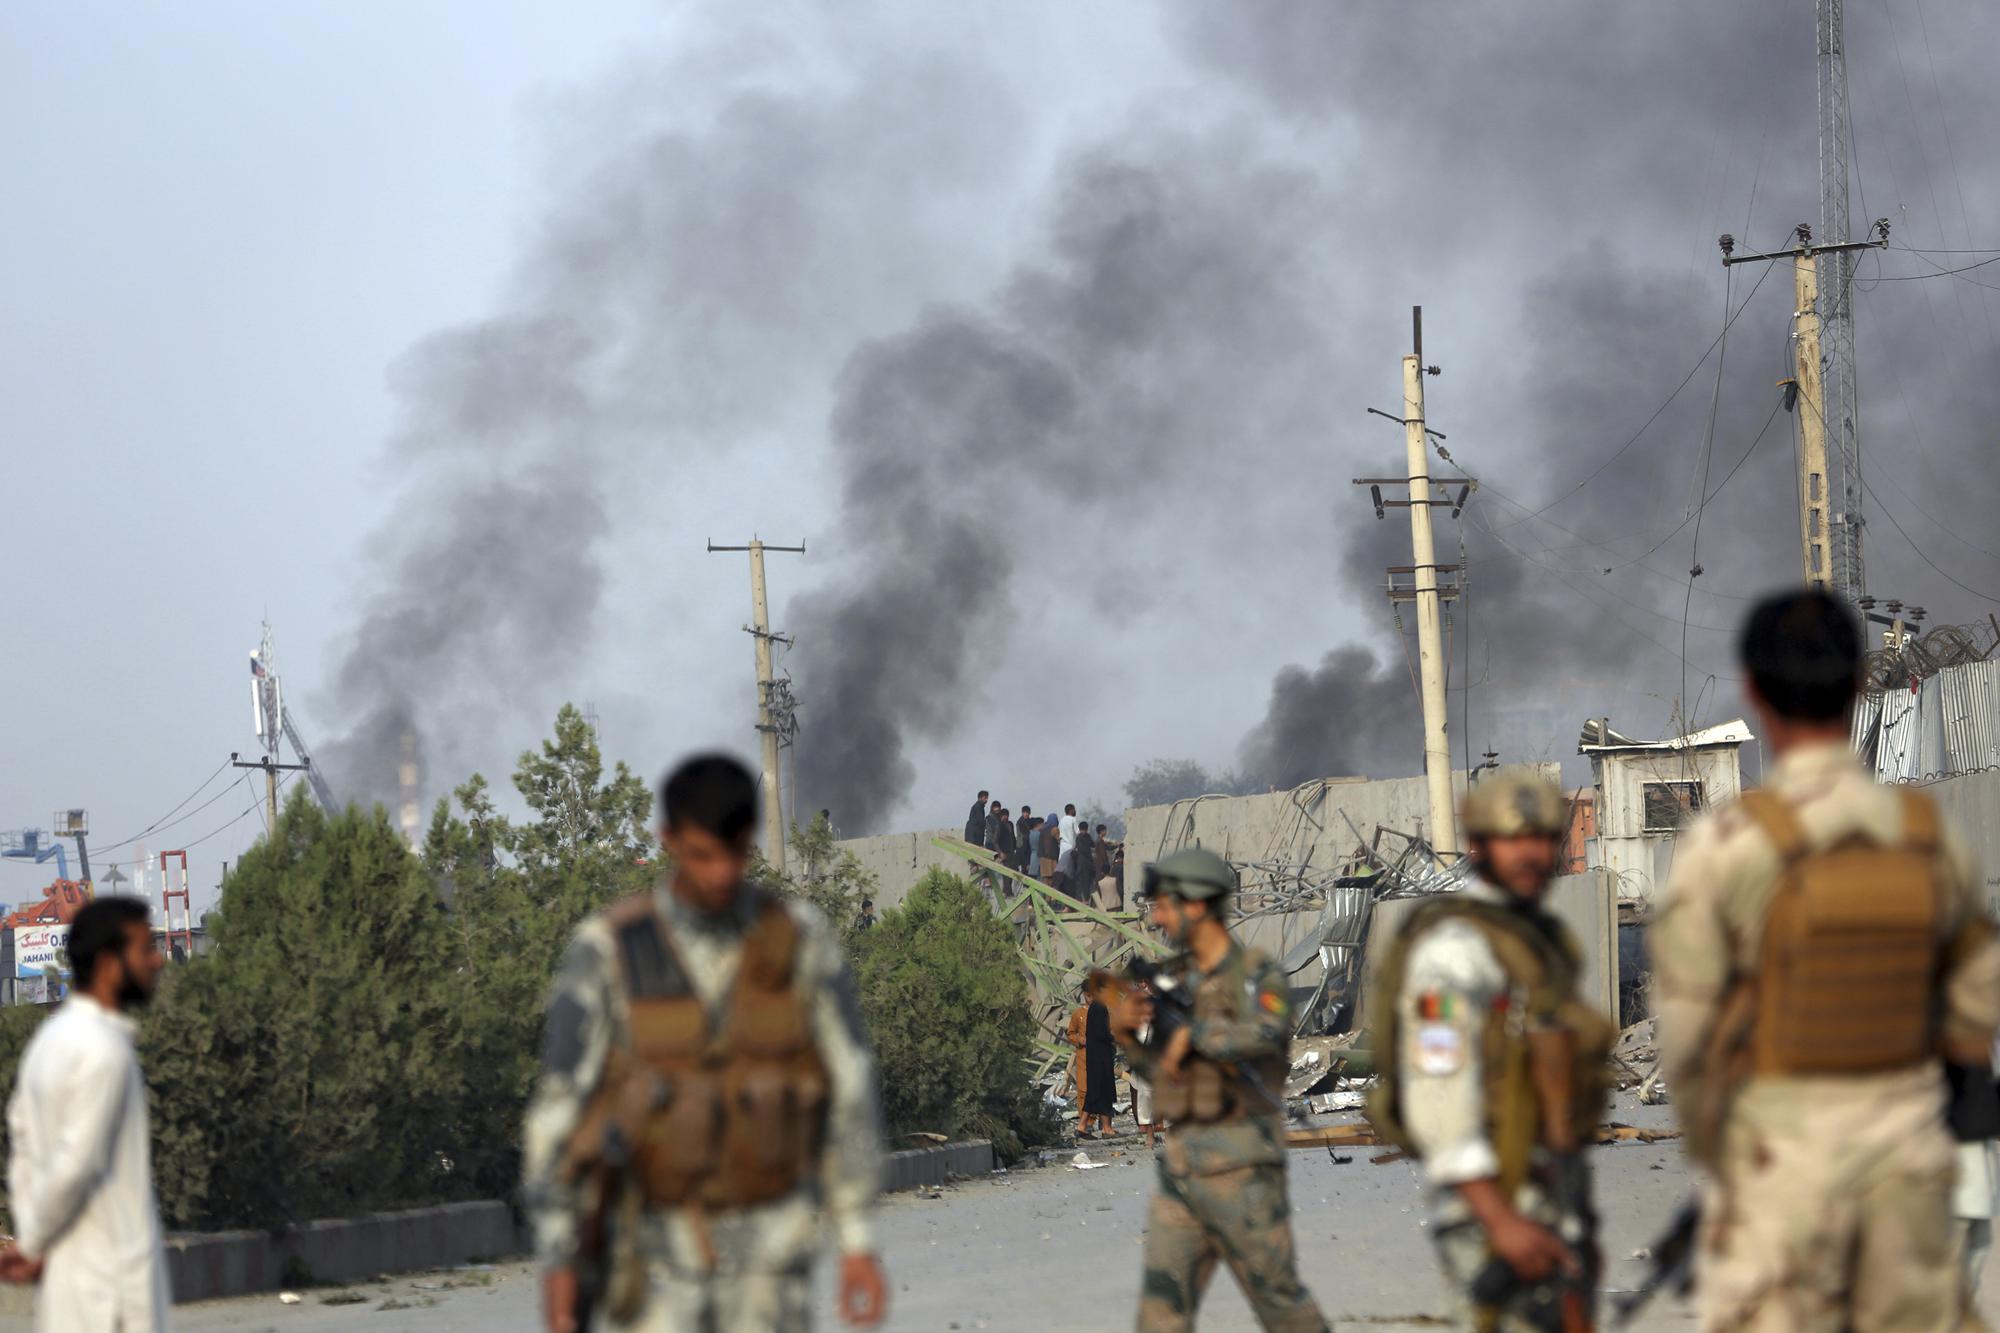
365,1033
946,1004
308,1066
17,1024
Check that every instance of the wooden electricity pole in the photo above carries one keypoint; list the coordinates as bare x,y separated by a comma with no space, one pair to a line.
1425,589
775,724
1819,562
1815,562
270,768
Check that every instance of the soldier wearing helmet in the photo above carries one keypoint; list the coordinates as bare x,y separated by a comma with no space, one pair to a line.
1496,1078
1216,1062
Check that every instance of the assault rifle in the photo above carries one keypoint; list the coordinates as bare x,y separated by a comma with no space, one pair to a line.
1673,1265
1173,1006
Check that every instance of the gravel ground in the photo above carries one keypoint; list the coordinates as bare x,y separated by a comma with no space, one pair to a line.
1055,1249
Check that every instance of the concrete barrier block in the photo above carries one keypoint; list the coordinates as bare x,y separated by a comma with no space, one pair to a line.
916,1168
210,1265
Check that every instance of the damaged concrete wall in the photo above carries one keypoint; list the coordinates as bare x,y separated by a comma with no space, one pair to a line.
1303,824
1586,903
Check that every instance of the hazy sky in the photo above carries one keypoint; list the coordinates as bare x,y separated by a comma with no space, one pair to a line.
395,323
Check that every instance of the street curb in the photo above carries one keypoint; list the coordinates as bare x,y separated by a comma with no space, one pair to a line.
914,1168
214,1265
206,1266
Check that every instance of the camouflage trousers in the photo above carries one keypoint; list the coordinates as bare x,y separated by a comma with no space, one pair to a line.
1240,1217
1826,1227
752,1302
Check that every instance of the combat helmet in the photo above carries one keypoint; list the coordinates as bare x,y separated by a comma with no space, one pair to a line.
1194,873
1513,803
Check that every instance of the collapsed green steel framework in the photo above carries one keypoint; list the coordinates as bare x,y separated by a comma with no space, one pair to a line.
1061,942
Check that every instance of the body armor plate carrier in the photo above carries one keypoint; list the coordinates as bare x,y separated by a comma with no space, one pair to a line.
1852,949
735,1106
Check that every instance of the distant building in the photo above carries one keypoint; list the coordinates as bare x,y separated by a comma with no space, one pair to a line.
1646,792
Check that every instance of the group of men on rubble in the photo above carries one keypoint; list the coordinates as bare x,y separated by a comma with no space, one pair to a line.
707,1095
1062,851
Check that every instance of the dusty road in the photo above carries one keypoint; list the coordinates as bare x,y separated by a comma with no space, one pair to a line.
1055,1249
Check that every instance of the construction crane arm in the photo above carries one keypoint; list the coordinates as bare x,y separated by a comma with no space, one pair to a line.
322,792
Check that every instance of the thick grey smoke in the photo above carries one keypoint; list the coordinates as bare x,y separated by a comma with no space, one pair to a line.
1350,715
1194,324
694,274
1175,283
1562,178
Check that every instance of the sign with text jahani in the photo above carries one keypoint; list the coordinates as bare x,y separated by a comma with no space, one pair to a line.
37,947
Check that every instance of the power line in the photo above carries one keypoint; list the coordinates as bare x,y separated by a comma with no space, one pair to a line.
1886,513
1701,508
1588,596
1983,596
1939,272
164,821
1657,412
1498,494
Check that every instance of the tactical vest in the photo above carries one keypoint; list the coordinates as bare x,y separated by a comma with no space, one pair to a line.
737,1106
1208,1091
1543,1052
1852,955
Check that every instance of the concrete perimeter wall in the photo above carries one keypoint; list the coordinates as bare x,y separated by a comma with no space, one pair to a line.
1971,804
899,860
1586,903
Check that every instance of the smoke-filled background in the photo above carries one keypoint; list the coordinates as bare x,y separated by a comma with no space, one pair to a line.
1050,330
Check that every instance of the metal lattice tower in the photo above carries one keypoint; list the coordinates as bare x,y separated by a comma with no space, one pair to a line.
1836,286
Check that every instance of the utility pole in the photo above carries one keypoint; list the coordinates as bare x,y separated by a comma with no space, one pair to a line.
1836,293
1822,531
271,768
1425,589
776,721
1815,564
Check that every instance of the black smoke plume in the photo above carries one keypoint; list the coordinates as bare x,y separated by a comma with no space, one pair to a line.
1176,283
692,277
1563,178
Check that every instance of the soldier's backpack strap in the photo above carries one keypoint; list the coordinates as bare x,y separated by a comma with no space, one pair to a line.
648,966
770,950
1779,824
1920,821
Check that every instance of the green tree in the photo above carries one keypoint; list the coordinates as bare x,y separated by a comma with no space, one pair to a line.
517,891
310,1066
1164,781
820,871
945,1001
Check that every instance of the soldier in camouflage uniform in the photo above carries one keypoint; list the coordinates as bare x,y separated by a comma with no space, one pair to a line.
739,1000
1218,1079
1497,1079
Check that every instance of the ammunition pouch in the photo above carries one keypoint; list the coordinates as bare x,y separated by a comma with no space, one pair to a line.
1205,1093
718,1118
1543,1055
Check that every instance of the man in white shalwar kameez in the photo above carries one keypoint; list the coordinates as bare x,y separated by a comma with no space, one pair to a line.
80,1170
